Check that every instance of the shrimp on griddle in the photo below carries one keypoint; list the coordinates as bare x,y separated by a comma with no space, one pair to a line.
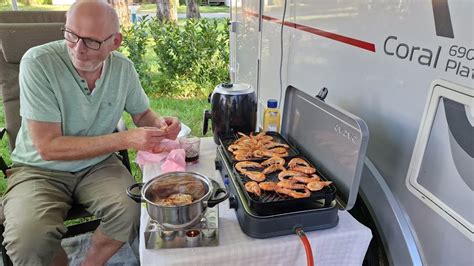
243,166
304,169
273,160
242,157
305,179
270,153
268,186
287,174
265,140
273,144
302,166
243,137
255,176
290,184
273,168
253,187
297,161
318,185
293,193
234,147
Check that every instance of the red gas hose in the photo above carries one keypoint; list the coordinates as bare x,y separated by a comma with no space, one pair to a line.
307,246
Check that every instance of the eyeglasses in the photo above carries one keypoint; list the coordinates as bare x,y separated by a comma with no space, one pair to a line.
88,42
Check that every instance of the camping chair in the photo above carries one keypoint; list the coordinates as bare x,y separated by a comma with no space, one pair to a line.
20,30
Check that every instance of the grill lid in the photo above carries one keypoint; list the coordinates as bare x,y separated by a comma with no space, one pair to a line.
332,138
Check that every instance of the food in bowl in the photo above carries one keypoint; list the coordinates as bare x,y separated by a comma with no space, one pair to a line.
176,191
178,199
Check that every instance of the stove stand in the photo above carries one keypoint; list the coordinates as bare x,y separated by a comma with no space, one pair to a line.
203,234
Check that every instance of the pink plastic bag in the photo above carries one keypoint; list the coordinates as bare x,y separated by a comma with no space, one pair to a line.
174,162
174,157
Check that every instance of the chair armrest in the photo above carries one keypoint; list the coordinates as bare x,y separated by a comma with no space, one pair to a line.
121,126
2,132
123,153
3,165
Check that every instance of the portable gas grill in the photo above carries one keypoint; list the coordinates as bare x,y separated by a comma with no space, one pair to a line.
332,140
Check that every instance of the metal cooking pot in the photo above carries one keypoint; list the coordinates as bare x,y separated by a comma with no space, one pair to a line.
159,188
233,109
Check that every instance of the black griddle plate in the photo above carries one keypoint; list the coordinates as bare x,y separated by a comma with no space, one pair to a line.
270,202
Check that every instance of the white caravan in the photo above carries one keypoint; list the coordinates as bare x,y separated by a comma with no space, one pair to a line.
406,68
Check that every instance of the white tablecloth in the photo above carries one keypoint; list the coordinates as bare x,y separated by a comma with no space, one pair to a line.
345,244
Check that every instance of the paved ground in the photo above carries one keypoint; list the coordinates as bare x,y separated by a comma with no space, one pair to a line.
76,248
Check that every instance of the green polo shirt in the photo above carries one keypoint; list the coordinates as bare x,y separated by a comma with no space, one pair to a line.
51,90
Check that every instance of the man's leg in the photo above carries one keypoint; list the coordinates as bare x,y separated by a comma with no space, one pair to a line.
60,259
102,191
35,206
101,249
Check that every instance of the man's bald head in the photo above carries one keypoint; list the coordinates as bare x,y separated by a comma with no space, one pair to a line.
89,21
97,11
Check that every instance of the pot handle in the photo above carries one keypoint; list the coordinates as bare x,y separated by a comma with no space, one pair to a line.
135,197
214,201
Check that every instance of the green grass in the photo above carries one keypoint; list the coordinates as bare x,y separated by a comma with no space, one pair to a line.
143,8
189,111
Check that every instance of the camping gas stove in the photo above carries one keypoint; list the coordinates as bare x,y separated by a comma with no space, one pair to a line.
327,137
313,217
203,234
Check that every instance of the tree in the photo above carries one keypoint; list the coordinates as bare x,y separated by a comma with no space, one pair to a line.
167,10
121,7
192,9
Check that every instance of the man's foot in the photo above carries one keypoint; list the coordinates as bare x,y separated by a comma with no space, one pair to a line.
101,249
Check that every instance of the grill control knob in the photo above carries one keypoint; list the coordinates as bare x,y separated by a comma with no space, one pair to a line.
218,164
233,202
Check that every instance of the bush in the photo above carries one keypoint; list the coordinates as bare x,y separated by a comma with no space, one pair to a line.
31,2
135,42
197,52
188,60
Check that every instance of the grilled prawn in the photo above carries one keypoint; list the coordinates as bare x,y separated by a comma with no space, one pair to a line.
255,176
273,168
293,193
290,184
318,185
268,186
306,180
253,187
287,174
273,160
243,166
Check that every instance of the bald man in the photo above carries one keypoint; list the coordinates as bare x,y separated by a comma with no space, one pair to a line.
73,93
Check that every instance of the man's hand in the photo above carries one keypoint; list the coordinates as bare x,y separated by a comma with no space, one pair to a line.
146,138
173,127
170,125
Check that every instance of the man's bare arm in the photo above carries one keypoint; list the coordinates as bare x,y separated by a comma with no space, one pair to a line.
52,145
148,119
